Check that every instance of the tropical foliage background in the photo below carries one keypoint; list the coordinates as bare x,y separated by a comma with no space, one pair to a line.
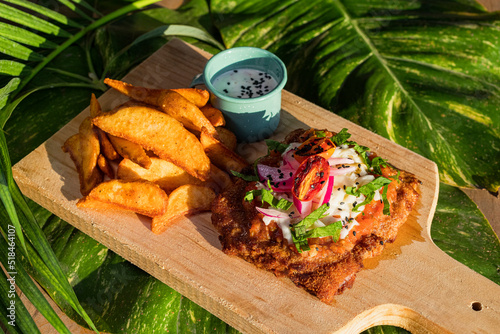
425,74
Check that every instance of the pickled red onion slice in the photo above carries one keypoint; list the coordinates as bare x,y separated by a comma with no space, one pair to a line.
289,160
326,192
281,177
273,213
304,207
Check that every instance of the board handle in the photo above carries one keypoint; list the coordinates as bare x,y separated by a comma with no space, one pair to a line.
447,297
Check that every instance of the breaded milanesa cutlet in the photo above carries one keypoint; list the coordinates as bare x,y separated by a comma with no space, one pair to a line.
329,267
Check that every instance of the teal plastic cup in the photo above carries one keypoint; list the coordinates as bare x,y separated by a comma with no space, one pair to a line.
251,119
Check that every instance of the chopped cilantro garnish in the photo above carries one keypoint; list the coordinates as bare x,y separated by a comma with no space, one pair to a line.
387,206
273,145
268,197
308,221
332,230
368,190
320,134
245,176
362,150
341,137
396,177
377,163
300,234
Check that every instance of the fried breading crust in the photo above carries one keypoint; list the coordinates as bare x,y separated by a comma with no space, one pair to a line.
328,268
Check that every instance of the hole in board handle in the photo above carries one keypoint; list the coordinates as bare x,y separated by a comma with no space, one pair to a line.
476,306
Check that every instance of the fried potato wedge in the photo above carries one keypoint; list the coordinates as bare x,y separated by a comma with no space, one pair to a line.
84,149
185,112
94,204
160,133
185,200
214,115
227,137
72,146
168,176
197,96
164,173
142,197
130,150
107,148
90,149
105,166
95,107
220,154
168,101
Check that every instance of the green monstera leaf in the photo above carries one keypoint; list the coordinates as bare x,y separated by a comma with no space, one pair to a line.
424,74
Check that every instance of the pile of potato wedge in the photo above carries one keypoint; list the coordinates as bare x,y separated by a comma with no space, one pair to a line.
164,154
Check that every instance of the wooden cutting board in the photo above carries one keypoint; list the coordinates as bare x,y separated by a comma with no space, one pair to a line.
413,284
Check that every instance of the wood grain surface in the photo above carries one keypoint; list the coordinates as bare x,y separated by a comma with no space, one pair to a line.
413,284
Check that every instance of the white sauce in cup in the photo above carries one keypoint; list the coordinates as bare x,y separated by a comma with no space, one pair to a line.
244,83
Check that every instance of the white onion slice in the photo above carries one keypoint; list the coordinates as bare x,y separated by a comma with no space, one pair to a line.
342,170
339,161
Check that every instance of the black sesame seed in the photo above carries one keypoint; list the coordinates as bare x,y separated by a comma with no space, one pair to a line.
354,233
235,71
382,242
225,91
342,203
